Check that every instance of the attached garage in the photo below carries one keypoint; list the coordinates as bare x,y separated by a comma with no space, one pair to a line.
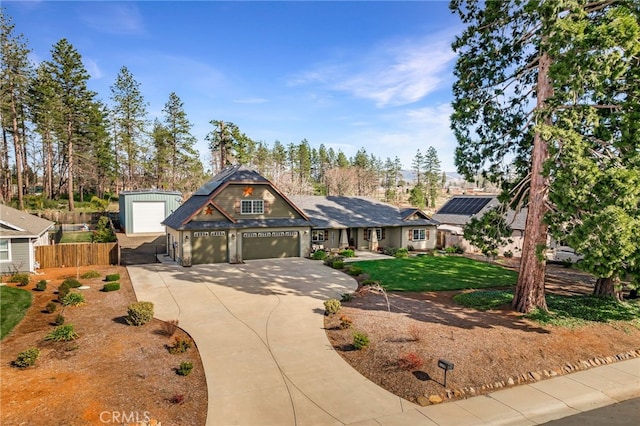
208,247
141,212
270,244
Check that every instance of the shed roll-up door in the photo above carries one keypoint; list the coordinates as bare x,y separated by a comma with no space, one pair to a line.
147,217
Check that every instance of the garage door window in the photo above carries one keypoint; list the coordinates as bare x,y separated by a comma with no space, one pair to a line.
252,207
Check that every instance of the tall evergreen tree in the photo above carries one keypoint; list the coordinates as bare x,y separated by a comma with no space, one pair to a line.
69,78
432,175
130,119
15,74
417,163
515,58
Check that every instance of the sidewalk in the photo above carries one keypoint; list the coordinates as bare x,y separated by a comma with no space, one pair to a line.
260,371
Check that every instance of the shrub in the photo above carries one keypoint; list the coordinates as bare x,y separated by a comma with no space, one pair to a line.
185,368
508,254
319,255
72,283
566,263
360,340
370,282
139,313
401,252
179,346
59,319
62,333
112,277
63,290
21,279
103,232
390,251
332,306
415,331
51,307
347,253
41,285
90,274
27,358
410,361
111,287
355,271
345,322
169,327
346,297
337,264
73,299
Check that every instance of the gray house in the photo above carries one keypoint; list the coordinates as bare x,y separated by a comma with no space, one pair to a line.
20,233
240,215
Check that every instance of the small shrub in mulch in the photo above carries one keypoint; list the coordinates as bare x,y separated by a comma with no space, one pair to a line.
73,299
410,361
139,313
111,287
169,327
51,307
332,306
319,255
62,333
360,340
90,274
27,358
185,368
21,279
180,346
345,322
112,277
41,285
72,283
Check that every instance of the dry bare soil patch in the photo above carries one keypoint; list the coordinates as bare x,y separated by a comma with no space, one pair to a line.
489,349
113,373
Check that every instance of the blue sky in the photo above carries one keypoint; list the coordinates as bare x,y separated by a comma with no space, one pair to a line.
347,75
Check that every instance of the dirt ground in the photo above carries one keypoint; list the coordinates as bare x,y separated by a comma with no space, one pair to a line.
490,350
113,373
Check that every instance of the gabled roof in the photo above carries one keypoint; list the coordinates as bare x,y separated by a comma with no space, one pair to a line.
461,208
181,218
357,212
16,223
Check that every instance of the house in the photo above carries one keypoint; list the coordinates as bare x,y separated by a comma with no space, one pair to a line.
20,233
142,212
459,211
365,223
240,215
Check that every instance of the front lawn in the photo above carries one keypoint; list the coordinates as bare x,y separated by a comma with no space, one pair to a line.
436,273
14,303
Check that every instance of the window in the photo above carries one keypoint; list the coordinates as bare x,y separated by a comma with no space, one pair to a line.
5,250
318,236
252,207
419,234
379,234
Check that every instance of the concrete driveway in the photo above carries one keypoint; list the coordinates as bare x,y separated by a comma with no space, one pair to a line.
259,329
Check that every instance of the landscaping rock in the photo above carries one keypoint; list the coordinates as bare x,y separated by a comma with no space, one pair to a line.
435,399
422,401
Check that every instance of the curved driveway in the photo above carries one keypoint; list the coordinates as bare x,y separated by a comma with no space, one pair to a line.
260,332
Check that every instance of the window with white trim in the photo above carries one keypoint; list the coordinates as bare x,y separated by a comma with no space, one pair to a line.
379,234
252,207
318,236
419,234
5,250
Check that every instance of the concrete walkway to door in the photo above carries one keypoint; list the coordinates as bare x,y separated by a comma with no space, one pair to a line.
260,332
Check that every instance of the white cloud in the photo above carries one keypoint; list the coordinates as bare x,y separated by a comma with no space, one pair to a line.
92,68
113,18
396,73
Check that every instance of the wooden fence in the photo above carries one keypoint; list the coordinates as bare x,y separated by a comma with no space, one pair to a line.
61,255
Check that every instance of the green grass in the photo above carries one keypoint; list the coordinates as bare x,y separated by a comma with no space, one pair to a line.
14,303
564,311
436,273
76,237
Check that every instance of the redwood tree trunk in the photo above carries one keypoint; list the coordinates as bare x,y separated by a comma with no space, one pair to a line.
530,290
608,287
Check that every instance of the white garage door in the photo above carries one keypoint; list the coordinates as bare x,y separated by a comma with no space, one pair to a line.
147,217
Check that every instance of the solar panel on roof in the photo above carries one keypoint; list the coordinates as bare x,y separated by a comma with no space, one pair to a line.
464,205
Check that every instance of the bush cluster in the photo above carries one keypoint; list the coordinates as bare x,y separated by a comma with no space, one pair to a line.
337,264
112,286
345,322
72,299
21,279
139,313
62,333
185,368
401,252
319,255
332,306
90,274
112,277
41,285
51,307
27,358
179,346
71,283
348,253
453,250
360,340
355,271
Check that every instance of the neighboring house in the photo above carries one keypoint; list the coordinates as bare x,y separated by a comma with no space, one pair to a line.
142,212
459,211
240,215
365,223
20,233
